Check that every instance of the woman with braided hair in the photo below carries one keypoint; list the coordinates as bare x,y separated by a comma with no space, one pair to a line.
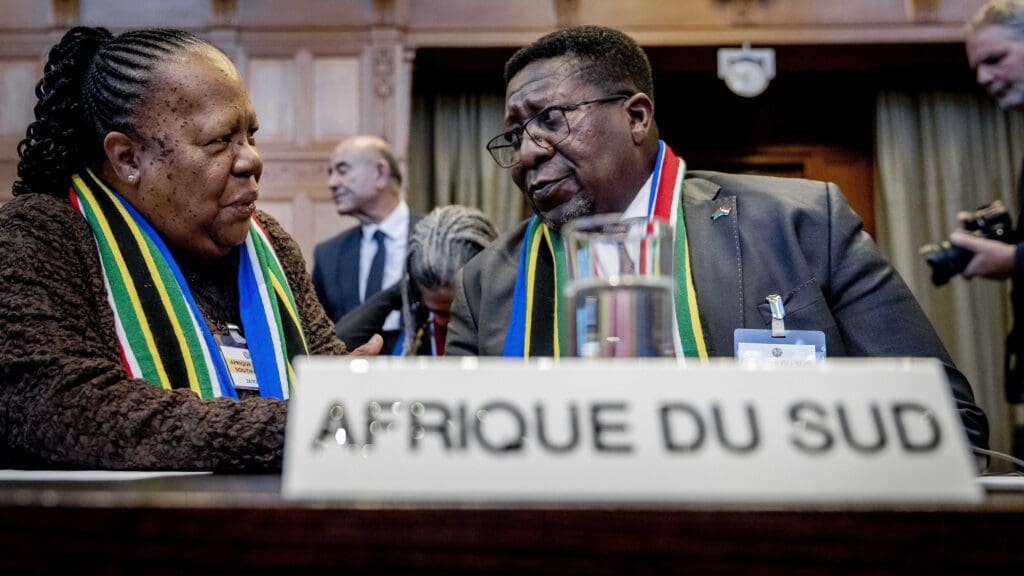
149,314
441,244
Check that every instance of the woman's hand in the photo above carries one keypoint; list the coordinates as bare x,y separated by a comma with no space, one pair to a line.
371,348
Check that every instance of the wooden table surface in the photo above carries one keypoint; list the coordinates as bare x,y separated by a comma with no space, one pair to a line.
240,524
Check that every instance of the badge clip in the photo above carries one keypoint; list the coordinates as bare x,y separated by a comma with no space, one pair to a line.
778,315
235,335
779,346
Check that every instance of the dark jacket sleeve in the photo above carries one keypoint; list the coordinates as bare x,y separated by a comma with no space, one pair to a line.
65,398
482,302
877,314
1013,357
317,277
462,330
356,327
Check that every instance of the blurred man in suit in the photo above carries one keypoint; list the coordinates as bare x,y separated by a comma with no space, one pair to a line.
995,50
366,183
582,140
441,243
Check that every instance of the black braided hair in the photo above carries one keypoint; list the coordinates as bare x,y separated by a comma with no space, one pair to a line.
619,62
443,241
92,85
441,244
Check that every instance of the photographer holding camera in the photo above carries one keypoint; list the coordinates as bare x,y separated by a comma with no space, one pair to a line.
995,50
948,259
993,255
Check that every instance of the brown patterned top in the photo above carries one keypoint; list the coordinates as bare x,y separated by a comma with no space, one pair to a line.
65,399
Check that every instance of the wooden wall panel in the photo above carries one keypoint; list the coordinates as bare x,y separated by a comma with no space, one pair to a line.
440,23
272,83
816,13
26,14
922,11
288,172
18,78
326,222
17,81
281,211
476,15
788,13
336,98
308,13
137,14
299,177
8,168
662,14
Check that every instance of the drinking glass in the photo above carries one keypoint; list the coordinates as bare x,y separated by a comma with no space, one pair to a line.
620,287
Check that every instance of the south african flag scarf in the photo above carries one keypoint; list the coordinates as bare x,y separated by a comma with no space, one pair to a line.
541,274
162,335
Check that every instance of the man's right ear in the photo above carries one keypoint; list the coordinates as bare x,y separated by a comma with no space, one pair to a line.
641,116
122,155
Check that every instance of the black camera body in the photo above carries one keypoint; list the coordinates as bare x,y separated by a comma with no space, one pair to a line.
992,222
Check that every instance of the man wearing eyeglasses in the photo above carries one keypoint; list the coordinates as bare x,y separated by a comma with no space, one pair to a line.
582,140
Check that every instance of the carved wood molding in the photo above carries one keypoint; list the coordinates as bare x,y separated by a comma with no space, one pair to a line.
667,36
921,10
28,44
741,11
567,13
65,13
225,12
391,12
383,72
318,42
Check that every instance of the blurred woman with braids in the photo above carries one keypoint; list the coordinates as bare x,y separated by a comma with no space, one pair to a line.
441,244
149,313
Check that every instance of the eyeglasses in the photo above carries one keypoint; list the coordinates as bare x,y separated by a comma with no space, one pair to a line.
547,129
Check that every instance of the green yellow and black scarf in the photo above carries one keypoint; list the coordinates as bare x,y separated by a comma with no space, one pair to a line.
542,268
162,335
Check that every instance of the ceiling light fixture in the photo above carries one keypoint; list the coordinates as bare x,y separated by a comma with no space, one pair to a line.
746,71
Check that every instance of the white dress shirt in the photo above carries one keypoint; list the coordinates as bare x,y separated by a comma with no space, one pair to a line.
638,207
608,256
396,229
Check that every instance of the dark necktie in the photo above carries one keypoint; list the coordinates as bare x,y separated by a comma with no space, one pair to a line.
375,280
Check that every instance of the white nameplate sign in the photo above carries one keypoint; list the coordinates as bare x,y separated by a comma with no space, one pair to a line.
625,431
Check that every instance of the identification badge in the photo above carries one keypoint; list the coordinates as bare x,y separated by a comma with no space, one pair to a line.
793,348
236,355
778,346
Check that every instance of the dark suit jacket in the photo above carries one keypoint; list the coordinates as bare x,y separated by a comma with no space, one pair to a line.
796,238
367,319
1013,366
336,270
1013,356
